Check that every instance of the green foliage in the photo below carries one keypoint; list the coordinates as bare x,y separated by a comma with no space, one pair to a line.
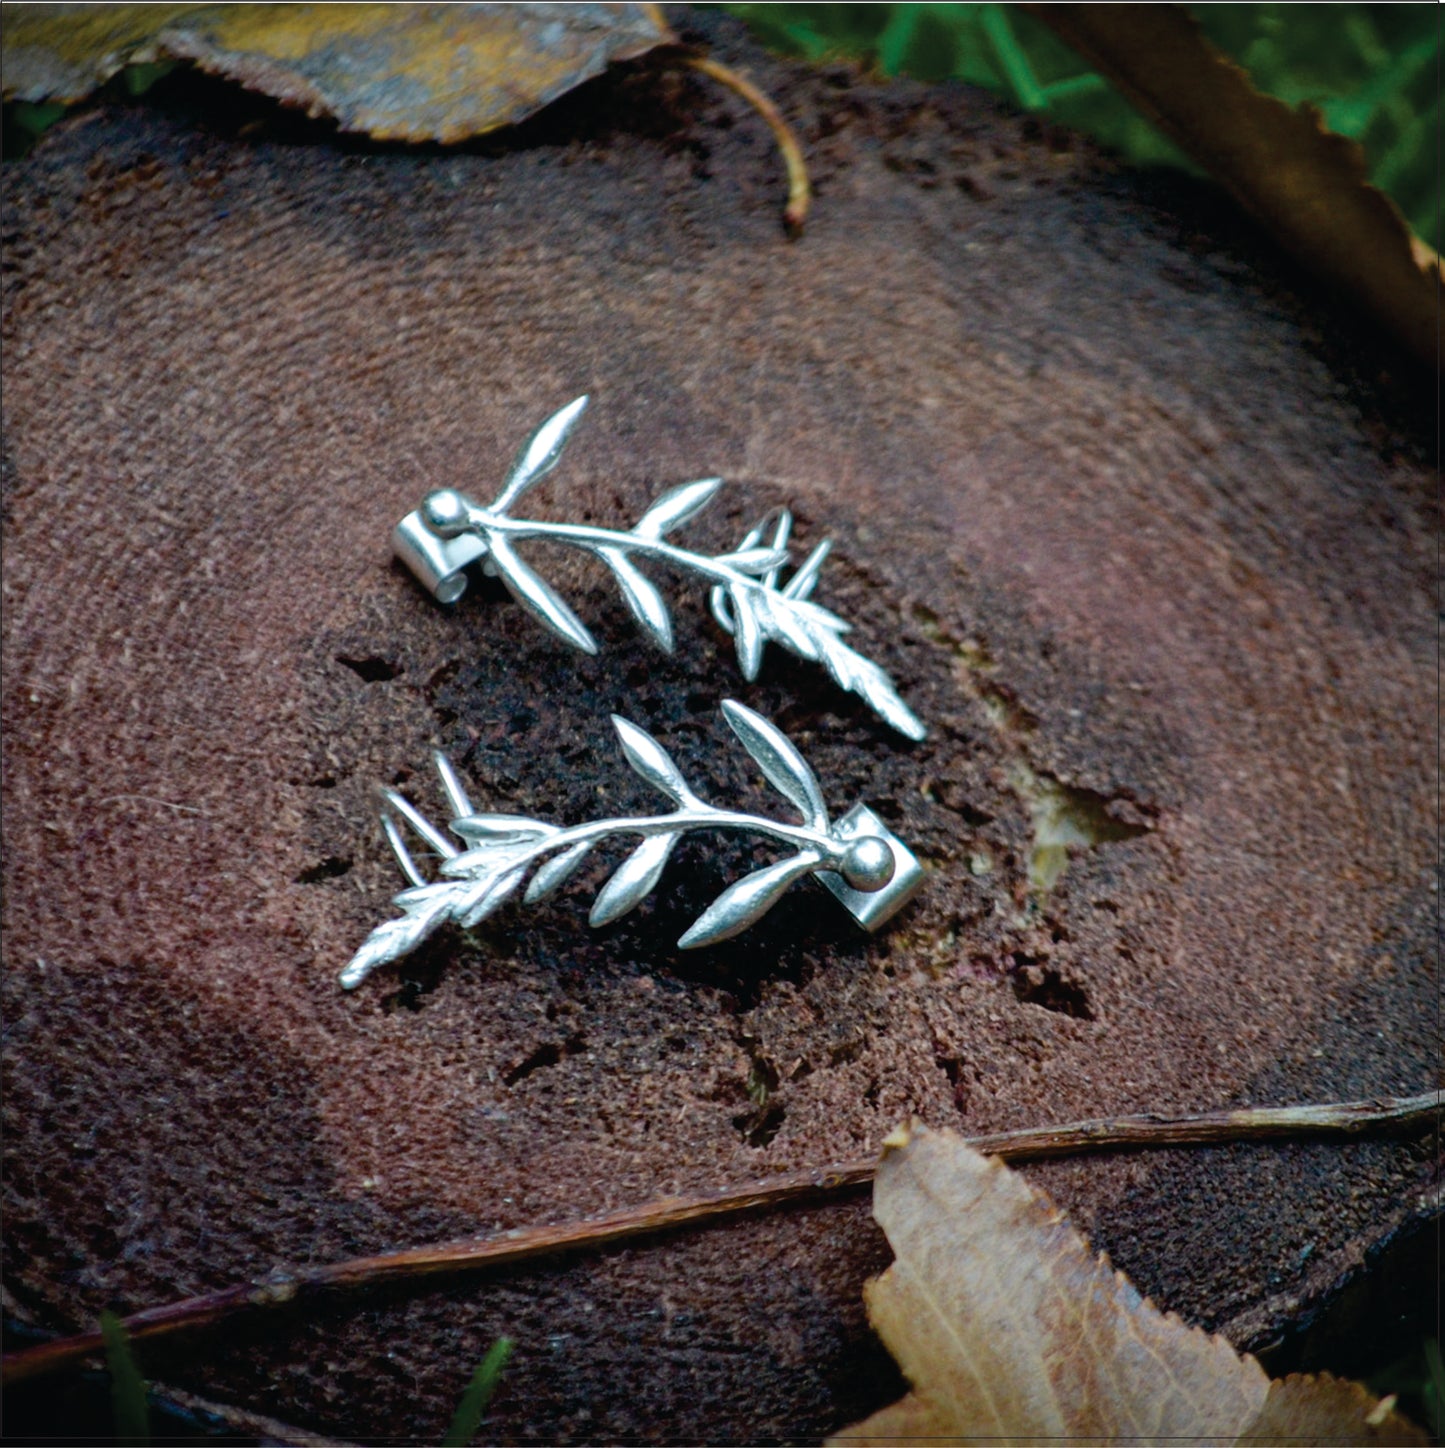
1432,1389
130,1410
1418,1380
468,1417
1371,69
138,79
25,123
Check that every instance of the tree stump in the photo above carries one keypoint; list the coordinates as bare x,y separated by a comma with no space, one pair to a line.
1143,535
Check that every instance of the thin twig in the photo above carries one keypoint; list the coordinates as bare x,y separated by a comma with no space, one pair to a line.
1338,1118
800,191
243,1420
1213,1128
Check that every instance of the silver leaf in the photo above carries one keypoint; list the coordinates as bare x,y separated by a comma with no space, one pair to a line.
754,560
556,872
717,601
778,758
749,900
802,583
781,533
537,597
539,454
642,597
485,860
675,507
419,822
409,867
863,677
421,897
487,896
747,633
633,879
455,791
783,622
396,938
500,827
820,617
752,537
782,521
652,761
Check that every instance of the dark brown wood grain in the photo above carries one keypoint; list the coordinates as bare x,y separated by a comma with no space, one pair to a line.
1133,521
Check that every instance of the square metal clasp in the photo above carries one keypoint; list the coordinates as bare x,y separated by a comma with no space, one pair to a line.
870,908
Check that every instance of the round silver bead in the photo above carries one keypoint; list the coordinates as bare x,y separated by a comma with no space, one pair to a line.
868,865
444,512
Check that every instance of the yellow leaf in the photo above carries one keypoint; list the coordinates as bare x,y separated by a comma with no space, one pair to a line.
397,72
1008,1326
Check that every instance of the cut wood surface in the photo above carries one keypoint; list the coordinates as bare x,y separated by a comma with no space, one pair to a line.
1141,531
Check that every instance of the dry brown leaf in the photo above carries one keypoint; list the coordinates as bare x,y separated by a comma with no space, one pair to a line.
1305,184
1008,1326
1303,1410
397,72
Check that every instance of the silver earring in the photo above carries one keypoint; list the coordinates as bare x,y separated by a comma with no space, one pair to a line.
449,532
870,871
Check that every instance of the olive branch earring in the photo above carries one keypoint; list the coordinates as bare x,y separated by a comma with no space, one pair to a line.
871,872
449,532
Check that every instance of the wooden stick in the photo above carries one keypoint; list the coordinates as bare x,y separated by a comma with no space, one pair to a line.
1264,1123
1213,1128
800,191
242,1420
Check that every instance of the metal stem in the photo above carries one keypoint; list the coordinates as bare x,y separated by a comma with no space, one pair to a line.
595,540
685,821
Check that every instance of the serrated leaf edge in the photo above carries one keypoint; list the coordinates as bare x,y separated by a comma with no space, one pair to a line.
395,938
490,895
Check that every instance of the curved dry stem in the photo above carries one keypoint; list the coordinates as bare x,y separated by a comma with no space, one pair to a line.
800,190
1264,1123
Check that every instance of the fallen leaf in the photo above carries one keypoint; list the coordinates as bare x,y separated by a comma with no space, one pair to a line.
396,72
1302,1410
1007,1325
1305,184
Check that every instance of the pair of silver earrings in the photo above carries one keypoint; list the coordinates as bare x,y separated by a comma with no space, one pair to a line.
856,857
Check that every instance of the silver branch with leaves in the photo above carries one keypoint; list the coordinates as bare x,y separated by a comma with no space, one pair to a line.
449,531
870,871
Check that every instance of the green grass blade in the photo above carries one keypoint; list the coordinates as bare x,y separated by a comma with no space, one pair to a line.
1088,84
131,1412
1370,68
1389,172
468,1417
897,36
1010,55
